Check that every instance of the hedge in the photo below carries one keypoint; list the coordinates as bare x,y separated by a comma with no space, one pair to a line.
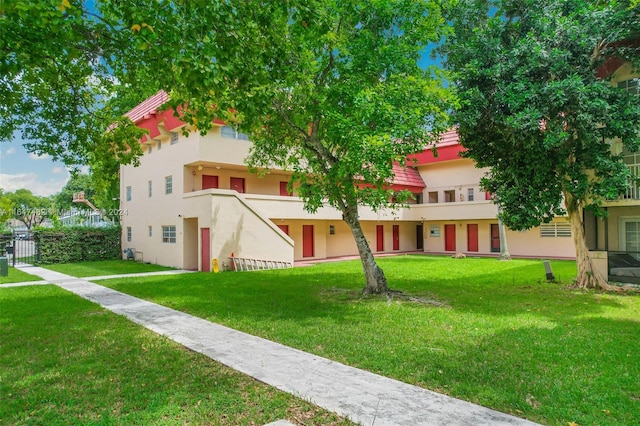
65,245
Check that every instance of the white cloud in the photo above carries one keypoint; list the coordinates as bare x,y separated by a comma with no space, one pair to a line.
11,150
10,183
58,170
39,157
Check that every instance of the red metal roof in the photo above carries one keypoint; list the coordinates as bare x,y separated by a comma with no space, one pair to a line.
148,107
448,148
406,178
146,116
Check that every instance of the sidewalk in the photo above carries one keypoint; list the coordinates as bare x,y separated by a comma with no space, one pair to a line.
359,395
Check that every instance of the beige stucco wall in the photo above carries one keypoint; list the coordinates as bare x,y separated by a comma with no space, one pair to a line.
526,244
159,209
237,228
245,224
342,242
458,176
613,221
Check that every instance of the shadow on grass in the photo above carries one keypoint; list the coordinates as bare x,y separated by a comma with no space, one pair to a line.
532,349
328,291
580,370
67,361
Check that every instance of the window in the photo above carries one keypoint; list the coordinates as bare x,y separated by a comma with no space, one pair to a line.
449,196
169,234
159,145
470,194
150,231
174,138
631,85
555,229
434,230
433,197
128,234
128,193
150,188
629,230
168,185
232,132
150,149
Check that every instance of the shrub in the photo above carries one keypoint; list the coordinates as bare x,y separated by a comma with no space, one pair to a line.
64,245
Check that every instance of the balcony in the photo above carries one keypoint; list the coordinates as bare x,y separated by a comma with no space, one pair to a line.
632,195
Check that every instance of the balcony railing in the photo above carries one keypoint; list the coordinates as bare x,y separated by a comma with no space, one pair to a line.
633,192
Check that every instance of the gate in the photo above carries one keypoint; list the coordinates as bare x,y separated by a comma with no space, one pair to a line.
20,248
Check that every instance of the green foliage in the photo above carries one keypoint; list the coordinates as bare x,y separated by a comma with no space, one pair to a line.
334,91
6,209
16,275
505,338
63,200
105,267
61,68
67,361
26,207
533,109
66,245
330,90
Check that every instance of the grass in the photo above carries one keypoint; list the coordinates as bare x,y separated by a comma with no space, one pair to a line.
104,267
17,276
503,339
66,361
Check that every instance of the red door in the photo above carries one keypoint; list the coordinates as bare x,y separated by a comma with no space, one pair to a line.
237,184
283,189
205,241
495,238
396,237
284,228
472,237
380,237
450,237
307,241
209,182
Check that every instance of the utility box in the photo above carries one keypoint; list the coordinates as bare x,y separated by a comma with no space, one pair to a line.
4,267
548,271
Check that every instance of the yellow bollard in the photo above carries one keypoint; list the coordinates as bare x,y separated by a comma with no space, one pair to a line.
214,266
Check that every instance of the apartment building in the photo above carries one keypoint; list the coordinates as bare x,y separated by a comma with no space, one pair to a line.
615,240
192,200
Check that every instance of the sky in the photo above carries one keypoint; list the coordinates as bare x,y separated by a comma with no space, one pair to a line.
19,169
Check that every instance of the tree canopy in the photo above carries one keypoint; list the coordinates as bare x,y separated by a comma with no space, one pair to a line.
329,89
334,92
26,207
537,112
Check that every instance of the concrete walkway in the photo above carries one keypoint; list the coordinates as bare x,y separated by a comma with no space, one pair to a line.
359,395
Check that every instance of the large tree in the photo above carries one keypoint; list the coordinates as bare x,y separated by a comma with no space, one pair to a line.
28,208
329,89
335,93
535,110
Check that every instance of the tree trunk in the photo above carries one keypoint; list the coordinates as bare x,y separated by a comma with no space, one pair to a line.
376,282
504,250
588,277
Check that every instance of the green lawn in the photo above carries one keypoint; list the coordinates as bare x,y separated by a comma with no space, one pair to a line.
504,338
17,276
104,267
66,361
